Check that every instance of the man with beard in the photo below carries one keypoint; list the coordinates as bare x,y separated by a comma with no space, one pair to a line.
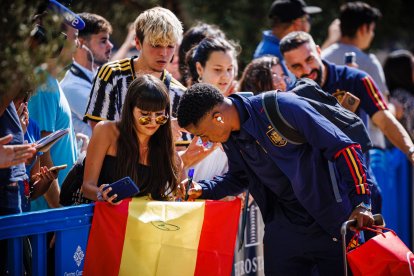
303,59
93,50
157,31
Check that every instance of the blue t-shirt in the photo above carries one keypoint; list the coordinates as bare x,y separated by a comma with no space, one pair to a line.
50,109
270,46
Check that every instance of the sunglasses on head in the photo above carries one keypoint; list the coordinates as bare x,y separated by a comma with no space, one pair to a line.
159,120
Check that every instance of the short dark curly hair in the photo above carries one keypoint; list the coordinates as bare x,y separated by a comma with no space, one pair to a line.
196,103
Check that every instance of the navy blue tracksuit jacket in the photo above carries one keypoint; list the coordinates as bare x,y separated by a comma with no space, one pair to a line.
292,183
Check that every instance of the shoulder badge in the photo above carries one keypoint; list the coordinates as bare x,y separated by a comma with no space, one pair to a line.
275,138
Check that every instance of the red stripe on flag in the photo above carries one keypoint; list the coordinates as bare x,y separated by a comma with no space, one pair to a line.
218,234
109,225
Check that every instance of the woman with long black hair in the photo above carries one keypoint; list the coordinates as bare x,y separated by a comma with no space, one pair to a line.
140,145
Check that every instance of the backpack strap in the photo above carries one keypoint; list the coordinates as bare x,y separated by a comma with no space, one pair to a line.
280,125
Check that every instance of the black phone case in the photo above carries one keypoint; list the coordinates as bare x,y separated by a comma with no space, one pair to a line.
124,188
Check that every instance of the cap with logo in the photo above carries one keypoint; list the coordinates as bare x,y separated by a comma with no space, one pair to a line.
69,16
288,10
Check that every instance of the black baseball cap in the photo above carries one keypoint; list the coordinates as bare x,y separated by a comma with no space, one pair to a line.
288,10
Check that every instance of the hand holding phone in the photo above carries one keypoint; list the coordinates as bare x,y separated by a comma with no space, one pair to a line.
47,175
350,59
123,188
58,168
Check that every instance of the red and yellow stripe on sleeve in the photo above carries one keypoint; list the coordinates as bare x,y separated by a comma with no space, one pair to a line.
356,169
374,94
142,237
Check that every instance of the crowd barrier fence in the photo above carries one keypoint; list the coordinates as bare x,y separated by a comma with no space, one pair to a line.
71,227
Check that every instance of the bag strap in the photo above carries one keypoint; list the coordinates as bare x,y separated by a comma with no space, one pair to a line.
378,231
280,125
373,228
409,262
378,227
79,73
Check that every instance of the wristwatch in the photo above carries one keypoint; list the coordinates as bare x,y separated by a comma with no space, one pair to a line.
410,152
365,206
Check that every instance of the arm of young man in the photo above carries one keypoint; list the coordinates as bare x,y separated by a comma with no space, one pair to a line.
349,163
233,182
374,105
395,132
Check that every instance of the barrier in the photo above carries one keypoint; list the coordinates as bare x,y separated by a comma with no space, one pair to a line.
393,173
71,226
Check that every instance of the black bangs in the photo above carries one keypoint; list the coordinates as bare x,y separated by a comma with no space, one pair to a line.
152,99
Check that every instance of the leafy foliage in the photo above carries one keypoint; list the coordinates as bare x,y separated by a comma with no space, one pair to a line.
242,20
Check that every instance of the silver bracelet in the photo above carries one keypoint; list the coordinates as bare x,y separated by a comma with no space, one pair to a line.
99,196
410,152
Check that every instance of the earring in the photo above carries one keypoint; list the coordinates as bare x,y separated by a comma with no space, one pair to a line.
199,79
219,119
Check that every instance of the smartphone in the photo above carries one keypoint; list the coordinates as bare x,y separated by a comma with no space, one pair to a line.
58,168
124,187
349,58
350,102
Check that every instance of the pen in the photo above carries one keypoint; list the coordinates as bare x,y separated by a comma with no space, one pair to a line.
190,180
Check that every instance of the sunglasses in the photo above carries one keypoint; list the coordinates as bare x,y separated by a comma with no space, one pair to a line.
159,120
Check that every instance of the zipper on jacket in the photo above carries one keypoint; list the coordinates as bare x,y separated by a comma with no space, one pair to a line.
257,141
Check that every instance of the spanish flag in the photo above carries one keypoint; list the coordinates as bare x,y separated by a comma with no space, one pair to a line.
145,237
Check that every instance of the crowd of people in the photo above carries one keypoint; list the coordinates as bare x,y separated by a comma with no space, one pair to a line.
175,105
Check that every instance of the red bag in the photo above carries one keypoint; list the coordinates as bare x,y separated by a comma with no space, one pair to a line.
385,254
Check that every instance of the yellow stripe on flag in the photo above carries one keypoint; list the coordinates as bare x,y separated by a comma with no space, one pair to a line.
162,221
